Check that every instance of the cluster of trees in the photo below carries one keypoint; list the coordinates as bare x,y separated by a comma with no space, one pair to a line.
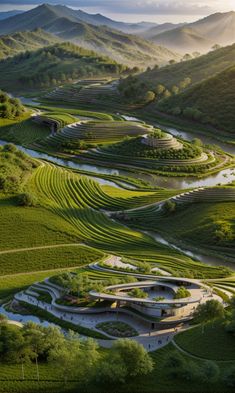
141,150
224,232
190,113
80,285
169,206
138,92
72,358
10,107
208,102
182,293
179,367
139,293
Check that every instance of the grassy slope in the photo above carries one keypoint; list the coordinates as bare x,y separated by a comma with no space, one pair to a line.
214,97
198,225
202,344
197,69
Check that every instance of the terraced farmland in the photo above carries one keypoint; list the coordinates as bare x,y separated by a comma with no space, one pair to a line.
79,201
212,211
99,131
91,93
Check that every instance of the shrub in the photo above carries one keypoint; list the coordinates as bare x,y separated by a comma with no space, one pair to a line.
181,293
27,199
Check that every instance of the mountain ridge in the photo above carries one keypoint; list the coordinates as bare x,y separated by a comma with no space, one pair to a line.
64,22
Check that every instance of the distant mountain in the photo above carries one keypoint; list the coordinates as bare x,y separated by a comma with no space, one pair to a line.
74,15
67,24
10,45
154,31
8,14
211,101
53,65
185,39
200,36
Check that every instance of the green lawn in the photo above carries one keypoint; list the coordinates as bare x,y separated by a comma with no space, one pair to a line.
215,343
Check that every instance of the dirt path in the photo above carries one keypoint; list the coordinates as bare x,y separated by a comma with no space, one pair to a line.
40,248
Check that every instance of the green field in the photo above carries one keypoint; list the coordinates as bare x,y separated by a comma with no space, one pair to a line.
212,342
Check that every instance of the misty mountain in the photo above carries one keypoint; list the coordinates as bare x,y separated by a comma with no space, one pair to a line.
8,14
201,35
154,31
66,24
11,45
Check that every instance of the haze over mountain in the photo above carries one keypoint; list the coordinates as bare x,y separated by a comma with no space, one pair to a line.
199,36
11,45
68,25
158,29
8,14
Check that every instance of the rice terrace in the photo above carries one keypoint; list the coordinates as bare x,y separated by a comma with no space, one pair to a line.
117,197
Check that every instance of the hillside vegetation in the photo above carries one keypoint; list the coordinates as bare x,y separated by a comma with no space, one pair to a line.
54,65
212,101
10,108
15,168
197,70
11,45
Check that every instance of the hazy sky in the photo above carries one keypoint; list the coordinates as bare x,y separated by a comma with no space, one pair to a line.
136,10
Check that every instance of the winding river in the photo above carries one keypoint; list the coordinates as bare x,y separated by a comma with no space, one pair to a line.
223,177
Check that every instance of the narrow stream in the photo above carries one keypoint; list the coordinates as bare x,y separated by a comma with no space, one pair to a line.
207,259
225,176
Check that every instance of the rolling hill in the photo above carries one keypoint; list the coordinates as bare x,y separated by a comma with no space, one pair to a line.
211,101
199,36
154,31
11,45
68,25
53,65
197,69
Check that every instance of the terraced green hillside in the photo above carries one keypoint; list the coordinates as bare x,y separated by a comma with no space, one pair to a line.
96,132
79,201
173,157
209,223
